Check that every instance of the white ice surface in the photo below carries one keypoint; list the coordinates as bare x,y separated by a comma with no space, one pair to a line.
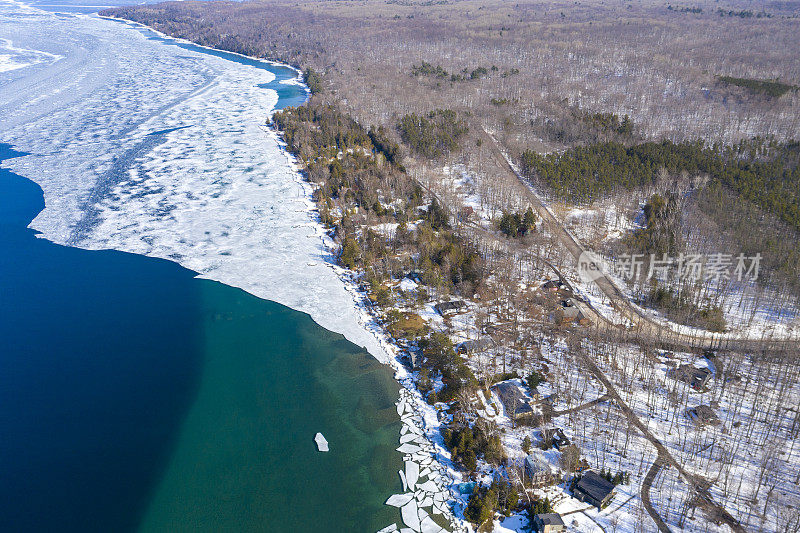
322,443
219,196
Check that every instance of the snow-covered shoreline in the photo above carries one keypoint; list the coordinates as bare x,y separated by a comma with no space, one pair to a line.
432,455
298,80
170,157
243,219
419,418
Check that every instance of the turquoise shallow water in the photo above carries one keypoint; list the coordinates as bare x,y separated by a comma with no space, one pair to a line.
136,397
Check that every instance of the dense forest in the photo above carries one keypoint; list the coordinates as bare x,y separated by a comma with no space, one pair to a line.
637,59
774,89
735,220
433,135
762,171
313,80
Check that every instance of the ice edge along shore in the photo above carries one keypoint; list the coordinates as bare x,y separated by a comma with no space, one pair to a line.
420,427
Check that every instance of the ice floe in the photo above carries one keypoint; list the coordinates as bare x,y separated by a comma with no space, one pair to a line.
410,514
426,488
322,443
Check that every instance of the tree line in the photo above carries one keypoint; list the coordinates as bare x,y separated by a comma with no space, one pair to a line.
774,89
427,69
762,171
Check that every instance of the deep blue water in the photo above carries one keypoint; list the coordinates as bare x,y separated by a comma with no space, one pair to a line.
134,396
98,364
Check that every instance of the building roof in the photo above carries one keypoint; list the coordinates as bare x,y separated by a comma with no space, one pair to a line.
705,414
512,398
477,345
595,486
523,408
692,374
556,434
550,519
571,312
552,284
444,307
536,464
693,371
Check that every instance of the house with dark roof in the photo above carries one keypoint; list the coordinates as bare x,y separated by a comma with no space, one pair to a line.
552,285
515,404
703,415
696,378
556,437
548,523
594,489
475,346
570,312
454,306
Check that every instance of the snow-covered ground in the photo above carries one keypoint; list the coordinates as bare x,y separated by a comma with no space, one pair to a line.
150,148
754,444
598,223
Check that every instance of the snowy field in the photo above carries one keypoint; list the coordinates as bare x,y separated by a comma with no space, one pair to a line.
150,148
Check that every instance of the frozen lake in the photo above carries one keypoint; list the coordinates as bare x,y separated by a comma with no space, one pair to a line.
149,146
134,396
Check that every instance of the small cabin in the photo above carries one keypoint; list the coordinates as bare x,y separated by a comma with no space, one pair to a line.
446,308
552,285
475,346
696,378
517,407
538,470
703,415
548,523
556,437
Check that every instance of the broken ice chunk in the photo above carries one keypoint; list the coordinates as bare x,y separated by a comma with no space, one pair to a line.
322,444
399,500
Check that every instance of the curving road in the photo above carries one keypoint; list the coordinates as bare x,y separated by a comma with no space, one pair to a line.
704,499
645,493
645,327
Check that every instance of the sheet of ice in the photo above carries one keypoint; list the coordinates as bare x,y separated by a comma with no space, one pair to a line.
410,515
162,151
12,57
322,443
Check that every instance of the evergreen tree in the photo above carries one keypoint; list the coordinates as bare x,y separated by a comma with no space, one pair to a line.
350,253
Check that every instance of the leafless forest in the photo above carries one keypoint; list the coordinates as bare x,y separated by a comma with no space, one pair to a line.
640,59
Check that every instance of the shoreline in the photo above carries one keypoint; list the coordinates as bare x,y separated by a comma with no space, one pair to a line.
298,80
426,420
416,415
